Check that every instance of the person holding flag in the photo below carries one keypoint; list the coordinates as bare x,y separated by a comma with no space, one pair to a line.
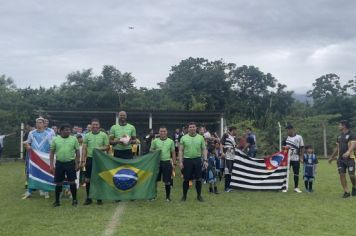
122,135
191,150
95,139
38,140
168,157
66,149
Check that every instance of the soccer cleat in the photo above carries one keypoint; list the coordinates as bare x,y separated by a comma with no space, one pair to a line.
284,190
183,199
346,195
75,203
306,190
297,190
168,199
42,193
88,202
26,195
353,192
228,190
99,202
46,195
200,199
56,204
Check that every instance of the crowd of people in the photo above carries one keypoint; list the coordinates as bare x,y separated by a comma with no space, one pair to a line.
202,157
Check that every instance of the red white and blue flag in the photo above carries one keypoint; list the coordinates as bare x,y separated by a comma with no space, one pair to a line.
39,175
268,173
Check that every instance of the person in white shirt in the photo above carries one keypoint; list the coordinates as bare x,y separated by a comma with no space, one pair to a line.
295,144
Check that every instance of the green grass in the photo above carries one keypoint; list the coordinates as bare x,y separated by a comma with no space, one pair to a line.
239,213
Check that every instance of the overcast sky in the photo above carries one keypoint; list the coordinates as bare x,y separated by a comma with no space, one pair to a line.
297,41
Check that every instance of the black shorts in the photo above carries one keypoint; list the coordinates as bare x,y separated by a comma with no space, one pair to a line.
165,172
124,154
344,164
88,166
295,166
65,170
192,168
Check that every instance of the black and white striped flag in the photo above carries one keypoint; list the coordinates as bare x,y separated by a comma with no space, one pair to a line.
260,174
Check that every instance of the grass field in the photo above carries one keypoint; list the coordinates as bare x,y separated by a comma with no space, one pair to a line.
323,212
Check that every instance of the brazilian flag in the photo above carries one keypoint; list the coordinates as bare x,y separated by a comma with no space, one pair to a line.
121,179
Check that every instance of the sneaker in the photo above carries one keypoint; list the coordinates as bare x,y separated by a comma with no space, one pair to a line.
200,199
88,202
56,204
26,195
75,203
346,195
46,195
297,190
168,199
228,190
353,192
284,190
99,202
183,199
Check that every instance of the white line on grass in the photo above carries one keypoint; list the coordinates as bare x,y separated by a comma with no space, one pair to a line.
115,220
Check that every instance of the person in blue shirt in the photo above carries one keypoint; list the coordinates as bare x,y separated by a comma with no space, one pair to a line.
310,161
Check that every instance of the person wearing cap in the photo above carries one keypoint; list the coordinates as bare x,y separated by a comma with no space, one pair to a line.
39,140
345,151
295,144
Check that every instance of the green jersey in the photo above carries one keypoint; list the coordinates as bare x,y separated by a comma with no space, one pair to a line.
119,131
65,148
193,145
166,146
93,141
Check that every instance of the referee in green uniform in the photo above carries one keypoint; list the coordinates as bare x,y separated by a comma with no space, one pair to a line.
118,133
168,157
66,148
191,150
95,139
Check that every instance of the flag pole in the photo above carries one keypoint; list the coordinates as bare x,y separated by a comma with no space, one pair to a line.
287,182
280,136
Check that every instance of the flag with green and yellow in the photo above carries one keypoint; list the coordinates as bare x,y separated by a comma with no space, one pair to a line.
121,179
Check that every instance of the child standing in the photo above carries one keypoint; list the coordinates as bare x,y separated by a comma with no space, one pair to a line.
211,172
310,161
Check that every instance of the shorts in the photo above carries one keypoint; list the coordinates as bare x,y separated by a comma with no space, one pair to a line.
295,166
88,167
192,168
165,172
65,170
124,154
228,167
344,164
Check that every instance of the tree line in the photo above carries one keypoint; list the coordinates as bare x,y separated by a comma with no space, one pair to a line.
248,97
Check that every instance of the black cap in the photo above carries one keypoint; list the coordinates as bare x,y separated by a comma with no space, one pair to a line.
289,126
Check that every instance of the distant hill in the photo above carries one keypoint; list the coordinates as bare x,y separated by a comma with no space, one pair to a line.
302,97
